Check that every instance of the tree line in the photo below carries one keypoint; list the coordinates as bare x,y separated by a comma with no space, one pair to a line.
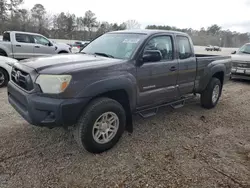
66,25
213,35
60,26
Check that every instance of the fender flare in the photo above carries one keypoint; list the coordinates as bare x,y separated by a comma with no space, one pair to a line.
211,71
112,84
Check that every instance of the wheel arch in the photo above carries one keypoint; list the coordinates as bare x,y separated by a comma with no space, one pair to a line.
121,89
4,52
63,52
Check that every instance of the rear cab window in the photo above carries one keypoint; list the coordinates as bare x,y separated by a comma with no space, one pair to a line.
184,47
6,37
24,38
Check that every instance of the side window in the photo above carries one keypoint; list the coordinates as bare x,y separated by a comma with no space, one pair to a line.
24,38
163,44
6,37
184,47
41,40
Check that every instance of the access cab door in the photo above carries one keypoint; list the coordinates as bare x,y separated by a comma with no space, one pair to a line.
157,80
187,65
22,45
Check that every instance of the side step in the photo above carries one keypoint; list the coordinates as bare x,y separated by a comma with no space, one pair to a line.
148,112
178,105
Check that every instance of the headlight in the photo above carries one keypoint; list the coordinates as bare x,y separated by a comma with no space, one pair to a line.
53,83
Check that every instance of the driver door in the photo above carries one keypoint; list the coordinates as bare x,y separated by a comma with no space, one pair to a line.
43,46
157,81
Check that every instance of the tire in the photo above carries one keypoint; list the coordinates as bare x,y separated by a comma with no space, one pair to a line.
85,129
63,52
207,100
4,78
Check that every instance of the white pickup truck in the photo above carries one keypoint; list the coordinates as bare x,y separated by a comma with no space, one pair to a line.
23,45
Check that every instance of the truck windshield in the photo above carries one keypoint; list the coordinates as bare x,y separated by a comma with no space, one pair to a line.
114,45
245,49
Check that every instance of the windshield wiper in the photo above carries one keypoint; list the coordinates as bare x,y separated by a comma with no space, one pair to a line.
244,52
103,54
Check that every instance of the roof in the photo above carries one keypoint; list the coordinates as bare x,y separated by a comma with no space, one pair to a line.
22,32
148,31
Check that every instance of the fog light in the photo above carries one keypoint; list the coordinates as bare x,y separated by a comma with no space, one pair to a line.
51,115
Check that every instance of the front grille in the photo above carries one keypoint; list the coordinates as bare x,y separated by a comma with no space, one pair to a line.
241,64
22,79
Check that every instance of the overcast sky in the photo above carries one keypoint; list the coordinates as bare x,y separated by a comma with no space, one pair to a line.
230,14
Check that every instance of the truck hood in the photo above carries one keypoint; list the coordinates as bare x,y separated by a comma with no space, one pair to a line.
7,60
58,64
241,57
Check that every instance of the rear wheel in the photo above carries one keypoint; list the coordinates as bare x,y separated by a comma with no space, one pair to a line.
101,125
212,93
63,52
3,77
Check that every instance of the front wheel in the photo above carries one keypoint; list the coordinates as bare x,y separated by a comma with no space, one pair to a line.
101,125
4,78
212,93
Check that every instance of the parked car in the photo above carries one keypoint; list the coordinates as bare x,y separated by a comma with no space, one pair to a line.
209,48
217,48
241,63
22,45
212,48
5,69
78,46
98,90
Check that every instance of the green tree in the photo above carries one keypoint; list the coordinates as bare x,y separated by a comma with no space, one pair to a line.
132,24
38,13
3,14
90,21
13,6
213,29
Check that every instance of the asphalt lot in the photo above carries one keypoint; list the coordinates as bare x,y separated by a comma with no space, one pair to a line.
188,147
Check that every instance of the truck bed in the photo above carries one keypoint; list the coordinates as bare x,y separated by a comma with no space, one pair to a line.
209,55
207,59
204,63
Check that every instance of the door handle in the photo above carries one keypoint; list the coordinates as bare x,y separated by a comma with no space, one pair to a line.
37,46
173,68
18,45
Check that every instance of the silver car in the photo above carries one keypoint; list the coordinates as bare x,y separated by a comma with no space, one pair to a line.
241,63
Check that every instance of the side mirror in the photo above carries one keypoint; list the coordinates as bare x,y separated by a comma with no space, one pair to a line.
152,56
234,52
50,44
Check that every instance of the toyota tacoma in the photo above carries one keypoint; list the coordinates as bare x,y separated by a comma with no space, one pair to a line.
118,74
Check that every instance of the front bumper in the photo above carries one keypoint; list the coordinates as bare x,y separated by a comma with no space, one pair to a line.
45,111
240,73
240,76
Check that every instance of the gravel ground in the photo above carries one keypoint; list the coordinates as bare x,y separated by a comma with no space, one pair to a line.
188,147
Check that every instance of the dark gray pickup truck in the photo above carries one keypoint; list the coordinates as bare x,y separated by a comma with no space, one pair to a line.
118,74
